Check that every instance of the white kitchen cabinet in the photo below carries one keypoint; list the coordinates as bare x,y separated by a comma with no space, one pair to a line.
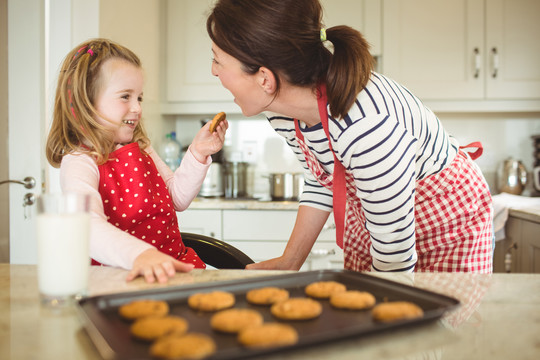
262,234
189,54
190,87
363,15
204,222
463,50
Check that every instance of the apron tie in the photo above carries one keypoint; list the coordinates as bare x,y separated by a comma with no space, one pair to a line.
479,149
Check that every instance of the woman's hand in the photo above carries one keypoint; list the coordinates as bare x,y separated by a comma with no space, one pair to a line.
154,265
206,143
279,263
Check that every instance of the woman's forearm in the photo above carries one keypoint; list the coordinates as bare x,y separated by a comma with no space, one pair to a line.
309,223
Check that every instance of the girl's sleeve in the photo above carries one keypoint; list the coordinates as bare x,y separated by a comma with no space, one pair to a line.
108,244
184,184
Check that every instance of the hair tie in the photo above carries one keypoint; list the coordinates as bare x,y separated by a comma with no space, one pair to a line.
323,34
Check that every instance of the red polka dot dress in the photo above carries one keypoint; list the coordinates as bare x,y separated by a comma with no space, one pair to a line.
136,200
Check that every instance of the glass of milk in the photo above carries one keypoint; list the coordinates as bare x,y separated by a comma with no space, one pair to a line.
63,228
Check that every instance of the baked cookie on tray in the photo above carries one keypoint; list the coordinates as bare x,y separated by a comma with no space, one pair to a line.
141,308
352,300
211,301
296,309
152,327
235,320
396,310
266,295
188,346
324,289
268,335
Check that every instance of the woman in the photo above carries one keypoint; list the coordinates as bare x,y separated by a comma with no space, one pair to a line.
405,196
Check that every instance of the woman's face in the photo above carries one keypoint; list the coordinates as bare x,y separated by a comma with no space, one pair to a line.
246,88
119,99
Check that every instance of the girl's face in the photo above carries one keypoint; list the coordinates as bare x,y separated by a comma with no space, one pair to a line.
119,99
246,88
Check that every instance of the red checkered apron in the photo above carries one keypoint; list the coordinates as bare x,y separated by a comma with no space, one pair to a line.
453,228
136,200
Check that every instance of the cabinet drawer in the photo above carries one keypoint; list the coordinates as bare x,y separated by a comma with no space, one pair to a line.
272,225
258,224
205,222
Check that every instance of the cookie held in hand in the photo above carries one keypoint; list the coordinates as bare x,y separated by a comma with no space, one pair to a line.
217,120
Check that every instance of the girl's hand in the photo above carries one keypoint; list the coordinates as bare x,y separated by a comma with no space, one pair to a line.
154,265
206,143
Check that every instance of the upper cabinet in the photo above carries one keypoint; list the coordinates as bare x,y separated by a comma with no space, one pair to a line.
483,53
190,87
363,15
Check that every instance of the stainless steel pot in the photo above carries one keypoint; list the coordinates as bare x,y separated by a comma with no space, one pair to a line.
212,185
236,179
286,186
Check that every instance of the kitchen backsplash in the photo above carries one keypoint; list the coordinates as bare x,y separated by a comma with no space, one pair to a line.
249,140
254,141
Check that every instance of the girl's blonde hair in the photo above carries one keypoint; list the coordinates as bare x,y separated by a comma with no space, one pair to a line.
74,126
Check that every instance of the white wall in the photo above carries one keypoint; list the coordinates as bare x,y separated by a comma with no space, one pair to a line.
502,135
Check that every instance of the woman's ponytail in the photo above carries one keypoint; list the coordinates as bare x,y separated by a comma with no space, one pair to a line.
349,69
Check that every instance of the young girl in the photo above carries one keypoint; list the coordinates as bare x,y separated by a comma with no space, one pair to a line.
98,141
405,196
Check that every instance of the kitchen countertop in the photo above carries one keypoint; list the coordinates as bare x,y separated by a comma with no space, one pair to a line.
499,318
241,204
531,214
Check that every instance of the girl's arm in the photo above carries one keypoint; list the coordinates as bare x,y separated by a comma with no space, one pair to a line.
184,184
108,244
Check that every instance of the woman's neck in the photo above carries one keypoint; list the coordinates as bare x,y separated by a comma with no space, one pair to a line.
297,102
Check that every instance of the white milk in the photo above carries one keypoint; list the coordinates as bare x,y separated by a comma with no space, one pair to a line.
63,253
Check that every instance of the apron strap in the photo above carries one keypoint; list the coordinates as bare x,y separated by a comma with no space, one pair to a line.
479,149
339,187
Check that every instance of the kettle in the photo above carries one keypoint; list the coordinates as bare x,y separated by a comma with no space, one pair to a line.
511,177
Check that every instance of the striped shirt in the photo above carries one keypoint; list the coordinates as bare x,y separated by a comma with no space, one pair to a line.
388,141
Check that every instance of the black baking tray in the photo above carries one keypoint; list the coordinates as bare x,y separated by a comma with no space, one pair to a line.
110,333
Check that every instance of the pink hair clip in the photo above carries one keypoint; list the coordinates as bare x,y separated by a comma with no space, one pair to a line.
78,51
90,52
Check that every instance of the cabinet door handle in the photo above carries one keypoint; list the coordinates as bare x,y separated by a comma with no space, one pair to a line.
477,63
331,226
495,55
322,252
